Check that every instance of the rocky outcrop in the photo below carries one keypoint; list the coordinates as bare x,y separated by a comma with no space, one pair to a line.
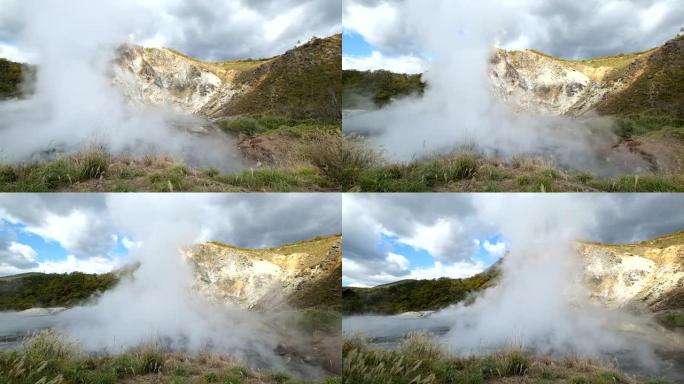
648,82
304,275
529,80
304,82
162,77
646,276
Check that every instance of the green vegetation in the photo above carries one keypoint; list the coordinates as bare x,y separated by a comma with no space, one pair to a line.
323,321
242,65
304,157
32,290
289,155
11,76
98,171
640,125
47,359
317,245
272,125
415,295
379,86
419,361
661,242
659,87
673,319
617,63
234,65
303,83
359,168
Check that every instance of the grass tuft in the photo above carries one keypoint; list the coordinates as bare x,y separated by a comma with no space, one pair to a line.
48,358
417,361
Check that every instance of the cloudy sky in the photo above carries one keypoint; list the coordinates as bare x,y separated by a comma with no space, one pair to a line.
206,29
390,237
381,34
84,232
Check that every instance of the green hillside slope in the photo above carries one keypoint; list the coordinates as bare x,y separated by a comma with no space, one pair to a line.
11,75
303,83
658,89
415,295
379,86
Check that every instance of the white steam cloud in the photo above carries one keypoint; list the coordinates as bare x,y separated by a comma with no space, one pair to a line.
541,302
74,104
156,302
458,108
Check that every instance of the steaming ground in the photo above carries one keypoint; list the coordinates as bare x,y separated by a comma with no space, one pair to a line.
411,129
230,332
73,104
156,303
541,302
644,348
195,140
458,108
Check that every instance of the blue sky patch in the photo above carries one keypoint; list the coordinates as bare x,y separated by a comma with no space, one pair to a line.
420,258
354,44
48,250
483,256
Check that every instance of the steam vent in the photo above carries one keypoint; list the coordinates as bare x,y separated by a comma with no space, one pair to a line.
341,192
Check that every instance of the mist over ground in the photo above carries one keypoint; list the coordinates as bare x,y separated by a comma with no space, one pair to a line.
541,302
156,303
458,108
73,105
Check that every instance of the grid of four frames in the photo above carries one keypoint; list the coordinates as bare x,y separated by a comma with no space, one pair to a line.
341,191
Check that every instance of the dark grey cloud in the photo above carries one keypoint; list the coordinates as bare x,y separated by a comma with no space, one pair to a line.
608,218
11,257
575,29
248,220
213,30
637,217
31,208
578,29
208,29
36,210
266,220
366,216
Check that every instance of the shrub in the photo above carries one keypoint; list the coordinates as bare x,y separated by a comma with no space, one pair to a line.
93,164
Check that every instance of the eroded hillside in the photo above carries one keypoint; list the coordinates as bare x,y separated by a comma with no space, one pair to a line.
302,83
645,277
530,80
303,275
647,82
626,84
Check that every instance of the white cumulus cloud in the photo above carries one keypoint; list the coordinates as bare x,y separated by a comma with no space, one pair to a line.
409,64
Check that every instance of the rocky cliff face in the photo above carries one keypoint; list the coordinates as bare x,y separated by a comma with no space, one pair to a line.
162,77
647,276
645,82
529,80
304,82
304,275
